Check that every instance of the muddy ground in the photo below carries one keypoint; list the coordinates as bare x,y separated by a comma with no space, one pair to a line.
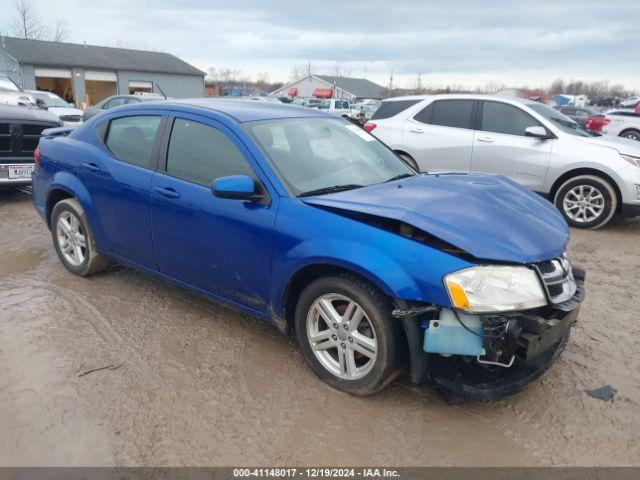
193,383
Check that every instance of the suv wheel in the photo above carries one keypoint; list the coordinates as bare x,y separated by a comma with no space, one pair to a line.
73,239
632,134
586,201
346,334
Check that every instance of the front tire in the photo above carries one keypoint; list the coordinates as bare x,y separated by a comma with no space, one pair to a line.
73,239
347,335
586,201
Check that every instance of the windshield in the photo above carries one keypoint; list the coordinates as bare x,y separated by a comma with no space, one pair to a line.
50,99
561,121
312,154
7,84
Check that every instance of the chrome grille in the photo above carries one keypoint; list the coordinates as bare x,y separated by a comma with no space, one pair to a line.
558,280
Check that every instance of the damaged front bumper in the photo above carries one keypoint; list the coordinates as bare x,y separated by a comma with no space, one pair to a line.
530,344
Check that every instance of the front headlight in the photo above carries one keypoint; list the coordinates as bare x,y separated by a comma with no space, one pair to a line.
635,161
494,288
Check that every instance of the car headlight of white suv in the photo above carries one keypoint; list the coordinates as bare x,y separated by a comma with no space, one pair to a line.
495,288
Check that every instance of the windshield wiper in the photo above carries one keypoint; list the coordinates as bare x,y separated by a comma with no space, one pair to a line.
400,177
334,189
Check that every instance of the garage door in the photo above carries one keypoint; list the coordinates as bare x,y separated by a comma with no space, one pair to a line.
56,80
99,76
53,72
99,85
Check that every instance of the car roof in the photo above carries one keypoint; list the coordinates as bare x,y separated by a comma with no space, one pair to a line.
463,96
244,111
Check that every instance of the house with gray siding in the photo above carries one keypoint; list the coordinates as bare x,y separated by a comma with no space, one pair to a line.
85,74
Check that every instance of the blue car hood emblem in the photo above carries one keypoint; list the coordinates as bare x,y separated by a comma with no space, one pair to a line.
489,217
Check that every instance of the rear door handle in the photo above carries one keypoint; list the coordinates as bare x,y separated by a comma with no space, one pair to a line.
416,130
485,139
167,192
92,167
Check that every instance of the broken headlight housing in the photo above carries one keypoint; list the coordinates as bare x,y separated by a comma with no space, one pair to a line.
494,288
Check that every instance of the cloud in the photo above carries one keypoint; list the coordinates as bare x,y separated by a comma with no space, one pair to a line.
509,41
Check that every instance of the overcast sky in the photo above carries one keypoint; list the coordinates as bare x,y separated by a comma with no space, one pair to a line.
448,42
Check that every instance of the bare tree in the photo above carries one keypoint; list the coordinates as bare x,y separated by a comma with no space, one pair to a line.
298,72
61,32
25,23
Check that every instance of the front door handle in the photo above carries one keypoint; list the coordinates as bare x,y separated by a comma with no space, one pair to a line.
416,130
485,139
167,192
92,167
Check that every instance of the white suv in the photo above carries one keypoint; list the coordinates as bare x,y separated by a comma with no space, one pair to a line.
589,177
623,123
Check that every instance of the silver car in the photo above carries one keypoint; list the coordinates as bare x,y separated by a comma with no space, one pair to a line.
589,177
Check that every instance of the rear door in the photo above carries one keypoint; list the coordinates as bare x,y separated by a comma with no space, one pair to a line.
501,146
219,245
440,136
118,179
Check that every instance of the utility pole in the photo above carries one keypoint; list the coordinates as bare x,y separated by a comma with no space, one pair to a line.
419,85
390,83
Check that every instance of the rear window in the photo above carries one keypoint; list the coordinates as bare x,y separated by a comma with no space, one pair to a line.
392,108
131,139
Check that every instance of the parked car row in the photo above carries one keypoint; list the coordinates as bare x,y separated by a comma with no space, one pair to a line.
588,176
307,221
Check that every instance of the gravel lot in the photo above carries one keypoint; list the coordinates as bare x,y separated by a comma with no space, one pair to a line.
193,383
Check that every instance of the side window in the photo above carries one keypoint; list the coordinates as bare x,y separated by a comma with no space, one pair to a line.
504,118
424,115
448,113
200,153
131,139
132,100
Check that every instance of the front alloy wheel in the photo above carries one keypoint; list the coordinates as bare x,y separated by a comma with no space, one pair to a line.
347,335
341,336
586,201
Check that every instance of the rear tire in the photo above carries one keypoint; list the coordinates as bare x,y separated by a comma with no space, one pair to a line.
347,335
73,239
586,201
631,134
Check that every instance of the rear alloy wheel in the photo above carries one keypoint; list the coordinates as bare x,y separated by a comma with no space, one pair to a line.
632,134
346,333
586,201
73,240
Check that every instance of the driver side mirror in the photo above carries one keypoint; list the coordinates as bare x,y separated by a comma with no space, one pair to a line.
536,132
236,187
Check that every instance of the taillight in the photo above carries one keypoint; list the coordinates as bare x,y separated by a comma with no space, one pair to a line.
368,127
36,157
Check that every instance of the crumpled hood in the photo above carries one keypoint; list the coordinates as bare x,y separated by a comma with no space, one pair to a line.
488,216
622,145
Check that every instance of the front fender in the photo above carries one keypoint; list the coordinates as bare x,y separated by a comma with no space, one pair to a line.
371,263
400,267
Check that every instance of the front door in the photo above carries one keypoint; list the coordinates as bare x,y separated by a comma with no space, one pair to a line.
440,136
501,147
118,180
219,245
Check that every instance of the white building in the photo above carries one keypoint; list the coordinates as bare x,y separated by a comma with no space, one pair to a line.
326,86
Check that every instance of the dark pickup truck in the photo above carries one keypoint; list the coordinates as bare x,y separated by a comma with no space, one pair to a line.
20,130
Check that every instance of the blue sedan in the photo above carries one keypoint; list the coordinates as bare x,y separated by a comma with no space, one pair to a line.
312,224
